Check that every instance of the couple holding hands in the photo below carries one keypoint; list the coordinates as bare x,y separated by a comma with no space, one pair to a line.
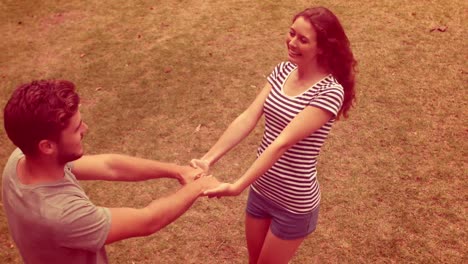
51,219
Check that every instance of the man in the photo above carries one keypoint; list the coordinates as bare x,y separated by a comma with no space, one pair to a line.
50,217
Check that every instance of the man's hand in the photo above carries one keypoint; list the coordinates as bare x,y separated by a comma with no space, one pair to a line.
199,163
189,174
207,183
223,189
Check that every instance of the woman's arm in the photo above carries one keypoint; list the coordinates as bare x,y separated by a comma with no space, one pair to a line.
305,123
239,129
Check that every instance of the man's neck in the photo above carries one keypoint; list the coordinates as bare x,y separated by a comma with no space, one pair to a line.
39,170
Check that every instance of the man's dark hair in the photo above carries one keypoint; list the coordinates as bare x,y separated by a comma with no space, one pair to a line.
39,110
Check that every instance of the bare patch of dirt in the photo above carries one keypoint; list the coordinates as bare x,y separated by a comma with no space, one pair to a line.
56,19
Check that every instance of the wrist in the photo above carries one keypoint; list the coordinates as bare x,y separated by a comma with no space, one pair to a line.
237,187
209,160
178,172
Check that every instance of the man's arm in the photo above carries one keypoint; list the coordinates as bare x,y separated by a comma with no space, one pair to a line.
115,167
130,222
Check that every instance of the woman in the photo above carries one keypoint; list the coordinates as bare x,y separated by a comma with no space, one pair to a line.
301,101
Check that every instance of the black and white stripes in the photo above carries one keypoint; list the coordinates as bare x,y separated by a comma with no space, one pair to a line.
291,182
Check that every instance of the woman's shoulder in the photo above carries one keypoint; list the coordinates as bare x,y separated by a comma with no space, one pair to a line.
330,82
284,67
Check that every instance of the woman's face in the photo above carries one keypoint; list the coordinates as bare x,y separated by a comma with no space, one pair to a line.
302,42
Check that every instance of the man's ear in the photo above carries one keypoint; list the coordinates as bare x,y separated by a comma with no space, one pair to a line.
47,147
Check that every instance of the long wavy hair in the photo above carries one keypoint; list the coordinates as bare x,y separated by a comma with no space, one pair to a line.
336,55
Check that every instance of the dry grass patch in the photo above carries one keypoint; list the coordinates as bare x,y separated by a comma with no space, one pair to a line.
150,74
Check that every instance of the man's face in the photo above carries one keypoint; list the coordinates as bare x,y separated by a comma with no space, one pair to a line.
69,145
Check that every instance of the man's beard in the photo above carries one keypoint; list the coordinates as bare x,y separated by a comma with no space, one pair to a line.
64,157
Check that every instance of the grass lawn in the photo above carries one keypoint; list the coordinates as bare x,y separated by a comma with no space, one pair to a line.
151,72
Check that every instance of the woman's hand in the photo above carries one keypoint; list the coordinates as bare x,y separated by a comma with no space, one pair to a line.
200,163
223,189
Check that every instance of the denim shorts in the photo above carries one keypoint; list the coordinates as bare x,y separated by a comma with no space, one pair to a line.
284,224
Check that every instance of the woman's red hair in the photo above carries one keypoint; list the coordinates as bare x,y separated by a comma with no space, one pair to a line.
336,55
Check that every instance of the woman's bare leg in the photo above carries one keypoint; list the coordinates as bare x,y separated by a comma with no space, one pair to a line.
255,232
278,251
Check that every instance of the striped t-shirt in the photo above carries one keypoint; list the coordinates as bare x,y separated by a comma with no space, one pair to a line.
291,182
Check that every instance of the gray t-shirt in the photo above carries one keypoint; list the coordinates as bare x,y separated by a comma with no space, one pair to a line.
54,222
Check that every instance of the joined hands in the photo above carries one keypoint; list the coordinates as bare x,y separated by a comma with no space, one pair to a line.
222,189
189,174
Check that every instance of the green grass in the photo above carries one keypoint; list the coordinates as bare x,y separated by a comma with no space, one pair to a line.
149,73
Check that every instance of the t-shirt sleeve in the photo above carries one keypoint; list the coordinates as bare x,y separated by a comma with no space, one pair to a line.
83,225
329,99
273,77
